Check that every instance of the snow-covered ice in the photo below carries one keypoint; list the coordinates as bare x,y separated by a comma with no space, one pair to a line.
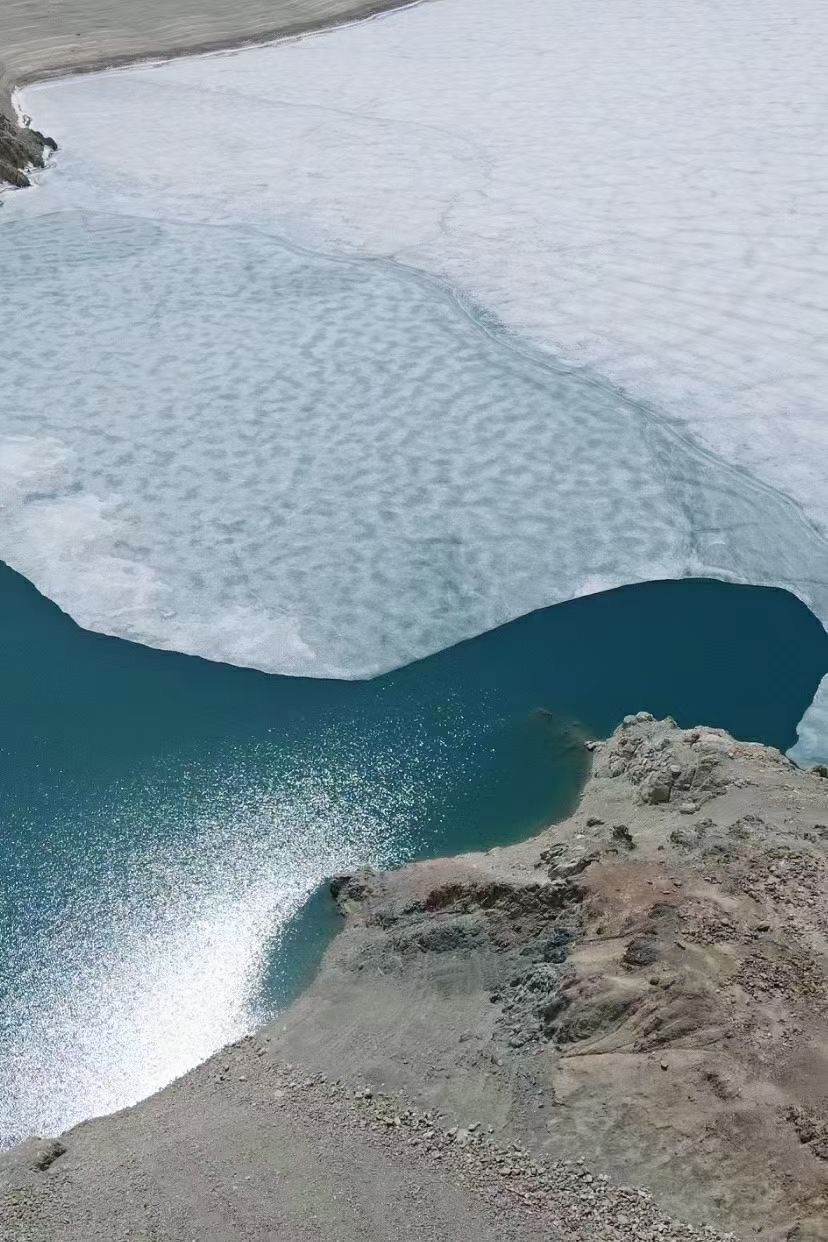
313,458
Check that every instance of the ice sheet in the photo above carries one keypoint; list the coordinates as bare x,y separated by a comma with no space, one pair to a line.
635,191
322,467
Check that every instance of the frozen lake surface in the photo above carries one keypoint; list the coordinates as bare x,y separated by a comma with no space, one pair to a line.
396,332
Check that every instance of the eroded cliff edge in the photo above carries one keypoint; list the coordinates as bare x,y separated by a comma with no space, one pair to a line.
520,1040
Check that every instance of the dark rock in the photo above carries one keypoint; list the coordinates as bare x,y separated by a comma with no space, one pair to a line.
351,888
551,948
745,826
641,951
622,833
811,1130
591,1016
40,1153
441,937
21,148
654,790
552,853
574,866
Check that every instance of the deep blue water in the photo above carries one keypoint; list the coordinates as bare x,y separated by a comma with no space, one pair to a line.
163,817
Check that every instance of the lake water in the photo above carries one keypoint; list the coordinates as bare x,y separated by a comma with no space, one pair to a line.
165,818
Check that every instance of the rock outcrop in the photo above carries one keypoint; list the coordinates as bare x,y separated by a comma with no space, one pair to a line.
21,149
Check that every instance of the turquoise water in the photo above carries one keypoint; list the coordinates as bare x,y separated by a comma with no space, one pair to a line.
165,817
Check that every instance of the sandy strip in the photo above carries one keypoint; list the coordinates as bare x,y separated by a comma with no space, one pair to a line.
39,39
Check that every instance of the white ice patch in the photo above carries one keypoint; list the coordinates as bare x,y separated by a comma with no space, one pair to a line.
812,741
637,191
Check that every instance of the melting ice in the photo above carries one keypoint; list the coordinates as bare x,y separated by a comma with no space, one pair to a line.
278,441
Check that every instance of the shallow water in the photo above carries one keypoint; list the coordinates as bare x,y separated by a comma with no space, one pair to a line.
163,817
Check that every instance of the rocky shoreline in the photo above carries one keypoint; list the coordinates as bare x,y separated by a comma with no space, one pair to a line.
21,149
618,1025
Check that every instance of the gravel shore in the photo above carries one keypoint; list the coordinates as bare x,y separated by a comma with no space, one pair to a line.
310,1157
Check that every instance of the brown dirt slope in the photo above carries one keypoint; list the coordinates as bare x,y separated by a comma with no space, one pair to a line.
515,1041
